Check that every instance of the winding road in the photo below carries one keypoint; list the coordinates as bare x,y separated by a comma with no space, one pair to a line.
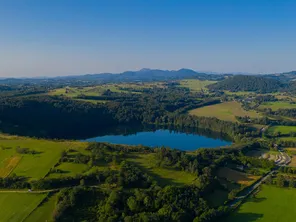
284,160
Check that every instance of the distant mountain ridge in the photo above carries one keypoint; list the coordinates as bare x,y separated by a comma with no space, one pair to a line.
284,77
143,75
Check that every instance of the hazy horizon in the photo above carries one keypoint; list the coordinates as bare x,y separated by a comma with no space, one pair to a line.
61,38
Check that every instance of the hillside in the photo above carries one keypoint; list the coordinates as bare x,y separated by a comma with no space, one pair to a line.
247,83
143,75
283,77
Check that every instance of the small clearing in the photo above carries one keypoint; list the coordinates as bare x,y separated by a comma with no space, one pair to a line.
236,176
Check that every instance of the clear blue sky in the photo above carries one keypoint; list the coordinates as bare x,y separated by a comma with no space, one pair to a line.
65,37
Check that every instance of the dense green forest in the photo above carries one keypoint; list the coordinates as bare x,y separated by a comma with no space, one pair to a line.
57,117
247,83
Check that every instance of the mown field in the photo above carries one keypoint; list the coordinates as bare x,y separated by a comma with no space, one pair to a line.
224,111
277,105
281,129
195,84
33,166
44,211
271,204
16,207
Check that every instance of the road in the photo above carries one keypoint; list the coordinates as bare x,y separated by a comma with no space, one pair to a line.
41,191
284,161
27,191
250,189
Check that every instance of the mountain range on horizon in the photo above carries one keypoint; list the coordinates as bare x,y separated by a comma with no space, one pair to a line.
143,75
154,72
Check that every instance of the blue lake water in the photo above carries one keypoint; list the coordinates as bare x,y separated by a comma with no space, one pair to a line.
168,138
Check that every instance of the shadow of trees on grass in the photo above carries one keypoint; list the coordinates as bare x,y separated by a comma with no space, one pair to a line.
243,217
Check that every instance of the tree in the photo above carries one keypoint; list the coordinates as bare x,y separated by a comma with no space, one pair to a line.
232,194
132,204
268,180
292,183
280,181
196,219
82,182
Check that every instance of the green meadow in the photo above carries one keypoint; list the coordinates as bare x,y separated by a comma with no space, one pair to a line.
44,211
69,169
195,84
277,105
282,129
224,111
271,204
16,207
33,166
162,175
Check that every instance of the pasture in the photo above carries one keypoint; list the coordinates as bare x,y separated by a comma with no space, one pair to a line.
69,169
224,111
34,166
195,84
278,105
163,176
236,176
16,207
271,204
284,130
44,212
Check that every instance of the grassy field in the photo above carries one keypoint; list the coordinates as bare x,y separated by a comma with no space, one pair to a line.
271,204
34,166
195,84
8,165
69,169
282,129
162,175
16,207
277,105
236,176
44,211
224,111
